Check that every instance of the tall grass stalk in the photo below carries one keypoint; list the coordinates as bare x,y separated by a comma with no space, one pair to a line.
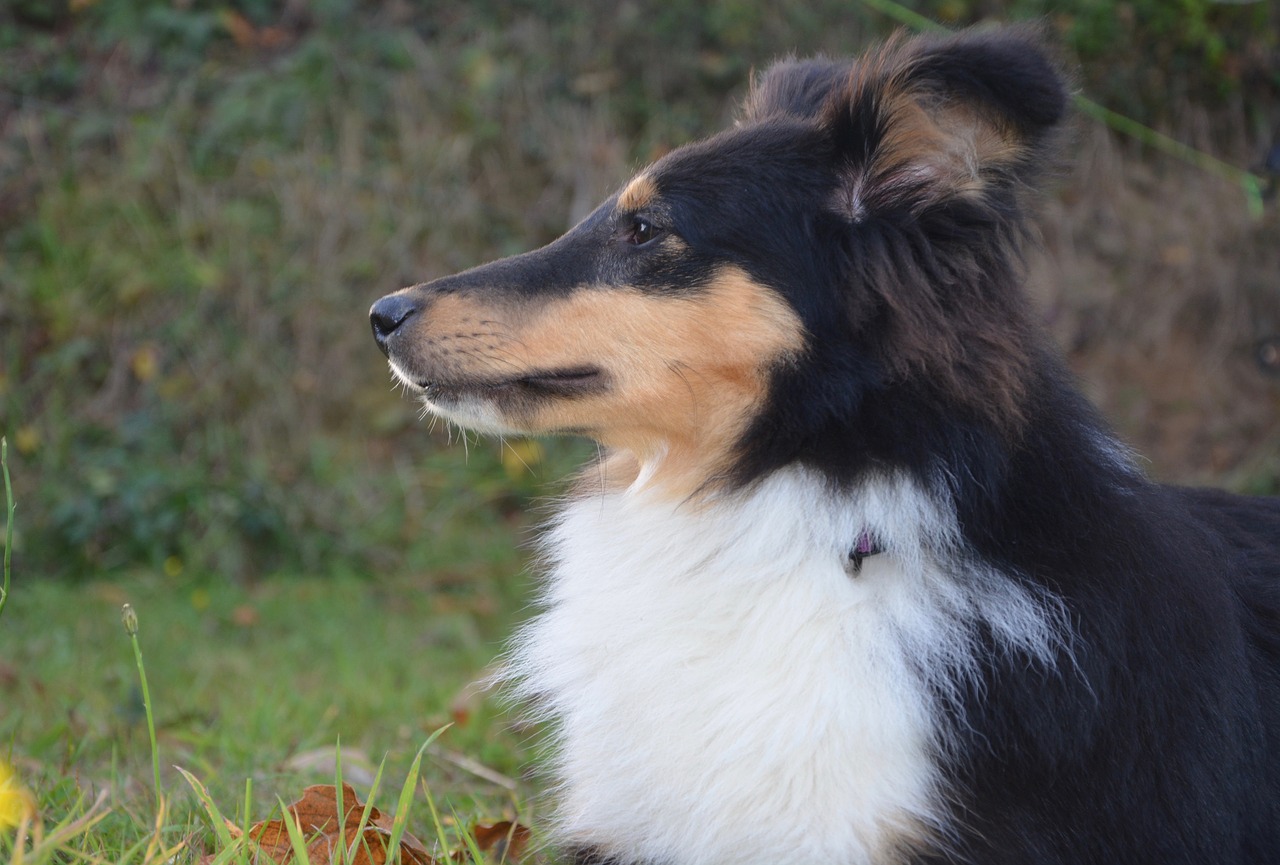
218,823
1250,184
8,520
130,619
401,820
297,840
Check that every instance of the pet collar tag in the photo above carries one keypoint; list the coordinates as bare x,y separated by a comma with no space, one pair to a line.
865,547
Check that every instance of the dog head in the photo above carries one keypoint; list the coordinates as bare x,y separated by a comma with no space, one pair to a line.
807,286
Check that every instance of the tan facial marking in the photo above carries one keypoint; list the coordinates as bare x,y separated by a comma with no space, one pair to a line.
638,193
685,373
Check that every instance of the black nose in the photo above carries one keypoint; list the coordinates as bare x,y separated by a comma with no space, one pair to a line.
388,314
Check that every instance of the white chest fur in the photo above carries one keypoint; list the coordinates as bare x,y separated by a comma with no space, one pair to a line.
724,691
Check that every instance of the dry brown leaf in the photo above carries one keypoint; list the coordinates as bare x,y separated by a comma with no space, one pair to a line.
239,27
316,814
505,841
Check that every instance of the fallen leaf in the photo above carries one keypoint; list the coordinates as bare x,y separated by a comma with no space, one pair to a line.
505,841
327,835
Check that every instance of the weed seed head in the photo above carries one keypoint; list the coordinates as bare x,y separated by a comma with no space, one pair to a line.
130,619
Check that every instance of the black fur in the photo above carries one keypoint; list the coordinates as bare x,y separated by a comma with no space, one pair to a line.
1157,737
1157,740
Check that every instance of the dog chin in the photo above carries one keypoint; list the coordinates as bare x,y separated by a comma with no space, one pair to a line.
468,411
477,415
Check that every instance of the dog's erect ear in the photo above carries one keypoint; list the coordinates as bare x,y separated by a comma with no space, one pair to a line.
927,119
798,88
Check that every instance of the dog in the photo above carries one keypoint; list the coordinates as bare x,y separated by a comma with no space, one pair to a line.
860,576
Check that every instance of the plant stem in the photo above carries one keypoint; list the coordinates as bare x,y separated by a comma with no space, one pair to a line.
131,628
8,522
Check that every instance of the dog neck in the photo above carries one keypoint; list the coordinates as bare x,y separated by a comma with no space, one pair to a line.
788,673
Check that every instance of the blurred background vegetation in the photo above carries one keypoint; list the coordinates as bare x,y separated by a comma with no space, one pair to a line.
199,199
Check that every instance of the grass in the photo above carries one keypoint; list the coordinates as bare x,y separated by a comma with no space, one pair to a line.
250,685
8,521
255,686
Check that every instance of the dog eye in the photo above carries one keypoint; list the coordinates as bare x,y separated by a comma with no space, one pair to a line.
642,231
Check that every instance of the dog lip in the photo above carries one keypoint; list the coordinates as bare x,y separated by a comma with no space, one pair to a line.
569,381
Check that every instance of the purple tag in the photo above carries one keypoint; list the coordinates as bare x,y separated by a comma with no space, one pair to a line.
865,547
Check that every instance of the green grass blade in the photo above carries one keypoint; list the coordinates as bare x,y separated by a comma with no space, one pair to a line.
220,830
57,841
231,854
344,854
137,847
8,521
296,838
1249,183
401,821
906,16
364,815
247,819
468,838
436,822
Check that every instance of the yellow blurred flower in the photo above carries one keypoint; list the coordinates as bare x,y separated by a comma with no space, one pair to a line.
520,456
144,363
26,440
200,599
15,802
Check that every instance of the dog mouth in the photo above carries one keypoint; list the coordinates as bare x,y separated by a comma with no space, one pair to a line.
564,382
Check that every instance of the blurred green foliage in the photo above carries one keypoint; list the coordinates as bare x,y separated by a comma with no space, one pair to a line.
200,198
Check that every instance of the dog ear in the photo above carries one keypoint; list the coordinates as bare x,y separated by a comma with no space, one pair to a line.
798,88
925,120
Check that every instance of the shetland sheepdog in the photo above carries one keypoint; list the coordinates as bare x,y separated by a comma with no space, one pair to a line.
860,576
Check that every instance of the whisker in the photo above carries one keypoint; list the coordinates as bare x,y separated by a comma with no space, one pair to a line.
502,442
